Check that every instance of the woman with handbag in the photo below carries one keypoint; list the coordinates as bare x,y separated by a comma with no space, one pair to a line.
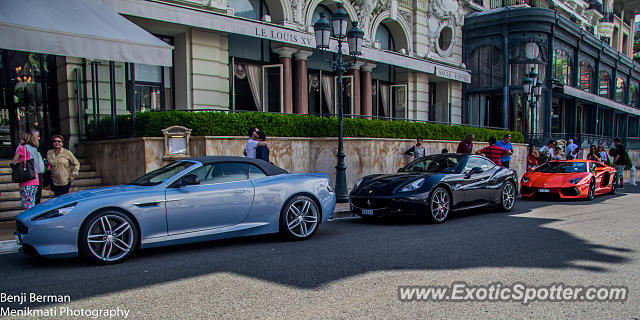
23,170
64,166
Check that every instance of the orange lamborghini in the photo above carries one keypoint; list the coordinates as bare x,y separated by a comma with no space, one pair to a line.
569,179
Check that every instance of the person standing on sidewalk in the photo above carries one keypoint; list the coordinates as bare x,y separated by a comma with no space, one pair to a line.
505,143
466,145
493,152
39,164
416,151
571,150
252,143
64,167
620,161
28,150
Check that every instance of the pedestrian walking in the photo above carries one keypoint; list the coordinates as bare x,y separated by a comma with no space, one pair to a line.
262,149
466,145
493,152
593,154
27,150
39,164
620,160
252,143
571,151
416,151
64,166
532,158
505,143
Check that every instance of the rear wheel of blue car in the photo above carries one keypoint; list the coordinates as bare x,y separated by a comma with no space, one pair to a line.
108,237
439,205
299,218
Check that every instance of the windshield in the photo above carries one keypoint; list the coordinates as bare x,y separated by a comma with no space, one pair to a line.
159,175
562,167
437,163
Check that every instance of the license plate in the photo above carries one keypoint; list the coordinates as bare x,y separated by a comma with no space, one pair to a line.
367,212
18,239
544,190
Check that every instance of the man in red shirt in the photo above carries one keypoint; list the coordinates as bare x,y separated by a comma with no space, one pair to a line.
466,145
493,152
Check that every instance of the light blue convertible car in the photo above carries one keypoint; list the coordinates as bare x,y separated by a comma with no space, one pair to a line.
196,199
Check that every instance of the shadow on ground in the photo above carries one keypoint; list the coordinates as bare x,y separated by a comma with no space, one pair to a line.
341,249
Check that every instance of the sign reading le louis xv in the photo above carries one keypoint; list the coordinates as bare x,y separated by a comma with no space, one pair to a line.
285,36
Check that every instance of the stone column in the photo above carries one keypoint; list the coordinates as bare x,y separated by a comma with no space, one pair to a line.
285,58
301,83
355,72
367,93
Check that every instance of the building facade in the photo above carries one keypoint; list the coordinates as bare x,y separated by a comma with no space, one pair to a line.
581,52
249,55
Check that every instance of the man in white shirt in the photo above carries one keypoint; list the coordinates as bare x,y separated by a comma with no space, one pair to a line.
252,143
571,150
548,151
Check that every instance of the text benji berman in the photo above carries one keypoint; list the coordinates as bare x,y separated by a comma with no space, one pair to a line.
33,298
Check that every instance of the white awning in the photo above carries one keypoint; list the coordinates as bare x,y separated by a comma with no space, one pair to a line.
78,28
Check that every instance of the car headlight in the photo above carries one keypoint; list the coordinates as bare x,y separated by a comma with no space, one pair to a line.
56,213
413,185
575,180
525,179
358,183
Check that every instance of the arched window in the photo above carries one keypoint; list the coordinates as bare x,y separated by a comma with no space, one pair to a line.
586,74
603,86
251,9
562,66
384,37
633,95
620,90
487,67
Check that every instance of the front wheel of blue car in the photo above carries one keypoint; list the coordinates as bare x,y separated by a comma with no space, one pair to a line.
299,218
107,237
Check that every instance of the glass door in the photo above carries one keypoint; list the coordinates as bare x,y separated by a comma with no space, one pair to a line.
400,101
272,88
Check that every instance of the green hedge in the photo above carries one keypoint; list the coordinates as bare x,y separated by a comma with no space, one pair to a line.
209,123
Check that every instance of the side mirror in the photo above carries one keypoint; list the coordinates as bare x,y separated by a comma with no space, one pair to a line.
190,179
473,171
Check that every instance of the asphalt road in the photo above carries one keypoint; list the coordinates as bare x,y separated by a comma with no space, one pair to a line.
352,268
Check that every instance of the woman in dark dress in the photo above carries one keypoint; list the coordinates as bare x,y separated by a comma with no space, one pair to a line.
262,150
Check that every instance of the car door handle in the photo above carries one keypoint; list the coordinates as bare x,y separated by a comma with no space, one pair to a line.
240,191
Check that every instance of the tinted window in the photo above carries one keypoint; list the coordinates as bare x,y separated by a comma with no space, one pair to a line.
229,172
255,172
437,163
477,162
562,167
203,173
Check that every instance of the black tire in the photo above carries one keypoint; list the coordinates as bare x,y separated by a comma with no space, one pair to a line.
108,237
439,205
299,215
507,196
614,184
591,194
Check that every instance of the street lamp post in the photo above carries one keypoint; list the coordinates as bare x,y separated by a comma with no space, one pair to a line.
532,89
323,29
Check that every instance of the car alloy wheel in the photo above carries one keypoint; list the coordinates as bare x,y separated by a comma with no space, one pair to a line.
300,218
614,184
592,190
439,205
508,196
108,237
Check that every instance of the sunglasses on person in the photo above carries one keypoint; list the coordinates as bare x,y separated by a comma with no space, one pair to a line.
57,141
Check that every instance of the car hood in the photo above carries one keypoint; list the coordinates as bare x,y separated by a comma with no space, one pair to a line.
379,185
541,179
82,195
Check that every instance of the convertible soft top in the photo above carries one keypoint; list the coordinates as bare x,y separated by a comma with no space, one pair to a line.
268,168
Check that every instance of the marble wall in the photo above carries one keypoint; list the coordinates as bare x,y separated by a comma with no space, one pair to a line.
120,161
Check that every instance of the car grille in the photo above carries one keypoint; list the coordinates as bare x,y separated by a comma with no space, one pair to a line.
370,203
21,228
